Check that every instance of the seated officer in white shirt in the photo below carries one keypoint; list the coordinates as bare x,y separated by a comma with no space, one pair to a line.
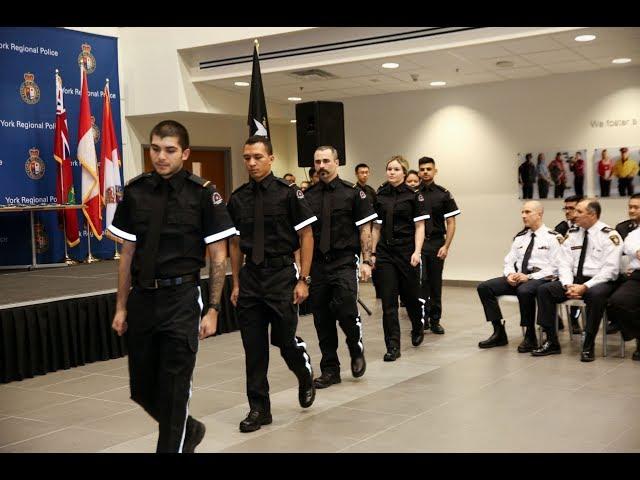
528,265
588,265
623,308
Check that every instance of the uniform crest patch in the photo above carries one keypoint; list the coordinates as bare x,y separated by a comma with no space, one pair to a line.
299,194
420,197
615,239
217,198
363,195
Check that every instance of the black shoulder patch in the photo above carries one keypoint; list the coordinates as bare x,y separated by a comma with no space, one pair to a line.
520,233
607,229
199,180
139,177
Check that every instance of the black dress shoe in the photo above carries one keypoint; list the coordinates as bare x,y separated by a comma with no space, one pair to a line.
612,328
327,379
306,393
548,348
527,345
254,421
392,355
588,355
358,366
497,339
417,338
193,436
436,328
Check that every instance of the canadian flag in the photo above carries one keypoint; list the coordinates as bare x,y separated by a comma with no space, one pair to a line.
64,186
110,184
87,156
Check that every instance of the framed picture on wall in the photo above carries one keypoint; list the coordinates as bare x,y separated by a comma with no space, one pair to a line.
551,173
616,171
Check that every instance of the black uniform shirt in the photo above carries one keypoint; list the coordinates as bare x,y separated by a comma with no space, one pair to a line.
441,205
285,212
350,208
408,207
626,227
369,191
195,215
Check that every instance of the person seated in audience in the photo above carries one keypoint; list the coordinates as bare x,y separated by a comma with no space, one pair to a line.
588,264
623,307
313,176
624,228
563,227
289,178
528,265
304,185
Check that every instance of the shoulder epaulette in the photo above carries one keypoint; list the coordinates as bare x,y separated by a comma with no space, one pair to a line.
573,229
348,184
284,182
240,188
561,238
204,183
441,188
520,233
607,229
383,187
553,232
139,177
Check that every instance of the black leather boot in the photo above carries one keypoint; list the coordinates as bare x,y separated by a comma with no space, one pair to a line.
530,342
497,339
550,347
588,348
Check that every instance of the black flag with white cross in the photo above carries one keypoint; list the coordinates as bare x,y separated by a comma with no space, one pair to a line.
258,123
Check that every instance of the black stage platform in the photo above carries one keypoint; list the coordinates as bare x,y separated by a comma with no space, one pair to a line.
61,318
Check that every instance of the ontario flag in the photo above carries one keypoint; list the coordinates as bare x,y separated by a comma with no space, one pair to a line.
87,155
110,184
61,153
257,121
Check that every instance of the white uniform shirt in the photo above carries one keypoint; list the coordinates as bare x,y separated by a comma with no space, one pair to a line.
602,260
631,247
545,249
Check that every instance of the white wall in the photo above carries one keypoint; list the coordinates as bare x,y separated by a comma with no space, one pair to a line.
475,132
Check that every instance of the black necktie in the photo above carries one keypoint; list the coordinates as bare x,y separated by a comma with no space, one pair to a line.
257,253
325,233
527,255
583,253
388,227
147,269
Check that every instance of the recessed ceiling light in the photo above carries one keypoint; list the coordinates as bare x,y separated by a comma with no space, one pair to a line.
292,121
585,38
241,84
438,84
294,99
621,60
390,65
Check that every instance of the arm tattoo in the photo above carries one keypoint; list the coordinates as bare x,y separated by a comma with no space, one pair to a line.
365,241
216,280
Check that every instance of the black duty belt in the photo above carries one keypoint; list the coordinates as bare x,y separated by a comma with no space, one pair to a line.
332,256
435,236
400,241
172,282
272,262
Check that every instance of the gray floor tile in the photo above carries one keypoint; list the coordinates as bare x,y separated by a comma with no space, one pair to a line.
17,429
77,412
18,401
89,385
68,440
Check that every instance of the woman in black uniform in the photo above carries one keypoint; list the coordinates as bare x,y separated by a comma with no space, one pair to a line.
397,240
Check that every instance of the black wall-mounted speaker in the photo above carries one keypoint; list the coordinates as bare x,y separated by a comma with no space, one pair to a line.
317,124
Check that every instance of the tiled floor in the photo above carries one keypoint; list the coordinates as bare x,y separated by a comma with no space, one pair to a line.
445,396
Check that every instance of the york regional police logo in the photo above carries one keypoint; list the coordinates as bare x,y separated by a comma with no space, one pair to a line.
34,166
96,130
217,198
363,195
87,58
420,198
299,194
29,90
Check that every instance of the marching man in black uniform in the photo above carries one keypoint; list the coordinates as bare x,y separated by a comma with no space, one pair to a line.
588,265
273,221
438,239
342,232
165,220
529,264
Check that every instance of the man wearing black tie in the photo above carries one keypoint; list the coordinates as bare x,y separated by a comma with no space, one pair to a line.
528,265
588,265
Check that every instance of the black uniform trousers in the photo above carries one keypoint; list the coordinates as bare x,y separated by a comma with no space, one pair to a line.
266,297
490,290
552,293
431,281
162,340
334,297
397,277
624,307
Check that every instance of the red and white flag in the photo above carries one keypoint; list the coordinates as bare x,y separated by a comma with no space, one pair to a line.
64,188
110,184
87,156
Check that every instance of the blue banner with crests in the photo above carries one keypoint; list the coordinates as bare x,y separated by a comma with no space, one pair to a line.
29,57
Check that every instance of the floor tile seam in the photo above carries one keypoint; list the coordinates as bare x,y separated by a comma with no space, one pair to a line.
24,418
377,412
622,434
33,438
43,387
111,375
111,415
36,410
217,362
96,430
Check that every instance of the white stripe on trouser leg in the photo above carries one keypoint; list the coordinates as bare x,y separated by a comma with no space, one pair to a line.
358,320
422,312
307,360
186,417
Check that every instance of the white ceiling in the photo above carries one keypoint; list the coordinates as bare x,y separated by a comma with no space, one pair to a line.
534,56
